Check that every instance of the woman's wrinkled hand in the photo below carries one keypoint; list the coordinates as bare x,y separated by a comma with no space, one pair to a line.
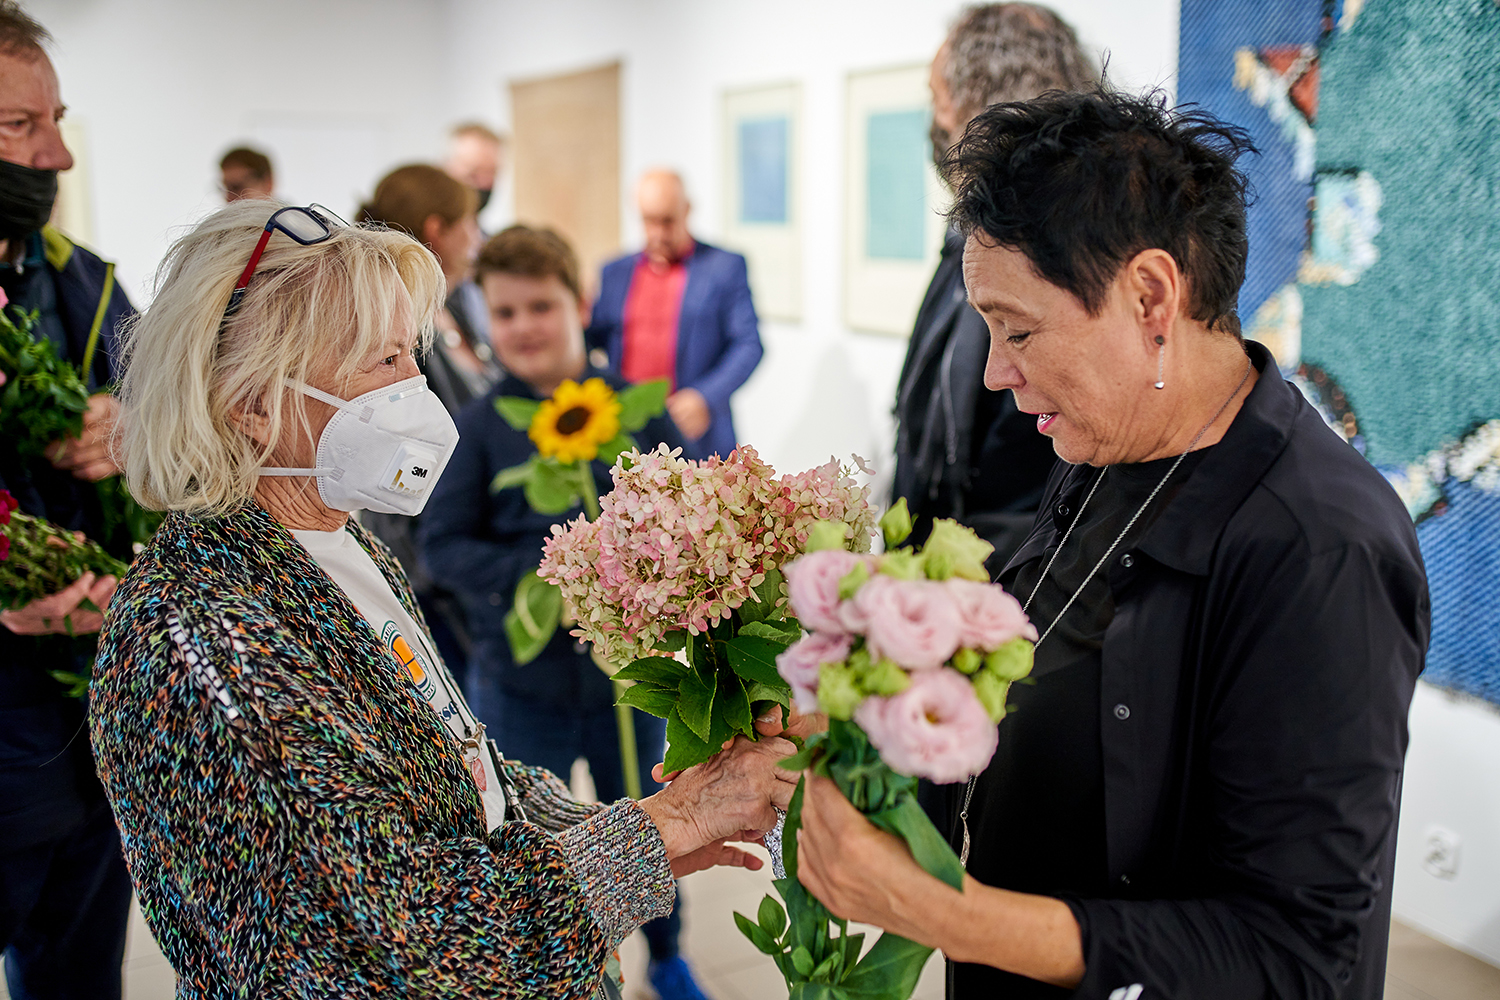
730,795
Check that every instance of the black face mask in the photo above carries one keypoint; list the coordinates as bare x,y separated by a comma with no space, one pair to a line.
484,197
26,198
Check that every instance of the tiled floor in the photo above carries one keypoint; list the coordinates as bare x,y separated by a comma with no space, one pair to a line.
730,969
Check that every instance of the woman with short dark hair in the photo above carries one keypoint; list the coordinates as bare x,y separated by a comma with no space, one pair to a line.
1198,795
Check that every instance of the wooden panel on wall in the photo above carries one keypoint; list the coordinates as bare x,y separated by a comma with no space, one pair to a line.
567,160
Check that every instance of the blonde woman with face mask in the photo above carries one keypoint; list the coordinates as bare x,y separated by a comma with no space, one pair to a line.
307,805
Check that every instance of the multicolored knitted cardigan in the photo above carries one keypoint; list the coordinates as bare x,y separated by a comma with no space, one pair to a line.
298,821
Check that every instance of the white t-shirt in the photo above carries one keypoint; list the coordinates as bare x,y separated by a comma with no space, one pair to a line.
351,567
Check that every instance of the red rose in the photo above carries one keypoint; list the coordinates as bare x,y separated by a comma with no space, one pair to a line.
4,547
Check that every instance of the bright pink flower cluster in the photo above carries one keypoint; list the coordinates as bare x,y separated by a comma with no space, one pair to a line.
885,649
680,544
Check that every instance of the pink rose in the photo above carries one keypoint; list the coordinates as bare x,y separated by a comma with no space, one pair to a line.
799,664
935,729
913,622
990,617
812,584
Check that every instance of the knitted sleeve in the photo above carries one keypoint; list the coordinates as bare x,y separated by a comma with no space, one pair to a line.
285,829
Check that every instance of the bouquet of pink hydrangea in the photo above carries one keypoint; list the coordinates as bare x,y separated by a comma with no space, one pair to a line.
686,555
910,655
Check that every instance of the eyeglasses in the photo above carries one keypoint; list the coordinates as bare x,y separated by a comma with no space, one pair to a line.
306,225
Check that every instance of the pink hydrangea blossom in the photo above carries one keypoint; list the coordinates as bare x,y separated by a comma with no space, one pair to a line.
913,622
799,664
813,586
680,544
989,617
935,729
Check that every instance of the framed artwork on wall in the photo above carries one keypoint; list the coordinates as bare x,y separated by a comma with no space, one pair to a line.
893,228
762,138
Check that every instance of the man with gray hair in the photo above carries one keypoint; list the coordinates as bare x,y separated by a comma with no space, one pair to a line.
961,451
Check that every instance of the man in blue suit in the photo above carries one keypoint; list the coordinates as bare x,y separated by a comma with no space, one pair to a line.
680,310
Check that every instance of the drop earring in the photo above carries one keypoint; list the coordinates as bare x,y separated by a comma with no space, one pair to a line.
1161,360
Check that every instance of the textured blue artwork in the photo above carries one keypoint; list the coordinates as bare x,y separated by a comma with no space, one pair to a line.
1213,73
763,163
897,151
1397,131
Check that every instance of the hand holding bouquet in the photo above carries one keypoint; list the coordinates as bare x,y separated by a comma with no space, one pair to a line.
911,655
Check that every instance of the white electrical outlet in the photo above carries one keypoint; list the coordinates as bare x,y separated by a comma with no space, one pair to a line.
1440,849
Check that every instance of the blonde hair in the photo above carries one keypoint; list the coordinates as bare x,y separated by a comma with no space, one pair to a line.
309,311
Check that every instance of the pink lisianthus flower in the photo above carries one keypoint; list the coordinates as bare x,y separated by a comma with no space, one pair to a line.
812,584
913,622
988,616
799,664
935,729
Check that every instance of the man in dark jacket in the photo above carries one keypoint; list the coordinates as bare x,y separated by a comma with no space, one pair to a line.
680,310
64,890
479,544
962,451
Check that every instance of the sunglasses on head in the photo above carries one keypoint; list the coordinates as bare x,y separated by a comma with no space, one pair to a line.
305,224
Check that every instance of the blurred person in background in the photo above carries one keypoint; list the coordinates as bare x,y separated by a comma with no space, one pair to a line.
962,451
475,153
307,803
64,891
424,202
246,173
560,706
680,310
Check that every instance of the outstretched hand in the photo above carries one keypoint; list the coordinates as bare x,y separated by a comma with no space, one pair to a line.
88,456
730,795
63,612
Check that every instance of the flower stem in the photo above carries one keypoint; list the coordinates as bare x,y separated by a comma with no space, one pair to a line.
589,489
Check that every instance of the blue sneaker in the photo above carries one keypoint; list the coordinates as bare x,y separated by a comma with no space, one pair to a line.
673,980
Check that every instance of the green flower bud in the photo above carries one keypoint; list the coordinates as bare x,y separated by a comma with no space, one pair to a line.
902,564
838,691
991,692
853,580
967,661
885,678
953,550
895,524
860,661
826,535
1011,661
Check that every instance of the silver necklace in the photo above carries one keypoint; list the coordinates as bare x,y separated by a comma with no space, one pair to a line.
963,816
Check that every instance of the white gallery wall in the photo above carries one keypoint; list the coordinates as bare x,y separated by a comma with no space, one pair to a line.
343,90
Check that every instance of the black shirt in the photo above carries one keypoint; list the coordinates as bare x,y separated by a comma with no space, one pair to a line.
1037,816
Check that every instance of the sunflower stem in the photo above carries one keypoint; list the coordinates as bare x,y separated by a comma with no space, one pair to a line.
589,489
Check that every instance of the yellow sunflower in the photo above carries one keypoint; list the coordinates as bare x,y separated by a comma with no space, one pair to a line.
576,421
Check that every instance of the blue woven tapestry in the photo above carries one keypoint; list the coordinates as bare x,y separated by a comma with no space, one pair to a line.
1374,271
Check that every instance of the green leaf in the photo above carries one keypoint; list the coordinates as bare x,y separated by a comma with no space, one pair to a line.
533,618
673,641
639,403
754,659
762,940
853,943
777,631
890,969
649,698
732,706
771,916
802,961
697,705
517,411
551,488
610,450
516,475
789,839
684,747
660,670
928,847
825,968
759,693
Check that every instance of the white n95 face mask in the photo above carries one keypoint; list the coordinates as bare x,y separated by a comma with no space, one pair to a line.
383,451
